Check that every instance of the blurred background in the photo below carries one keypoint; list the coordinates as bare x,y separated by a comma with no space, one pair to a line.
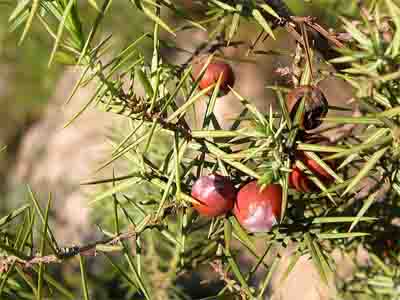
32,111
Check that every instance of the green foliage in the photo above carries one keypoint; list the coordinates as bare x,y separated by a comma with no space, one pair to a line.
152,236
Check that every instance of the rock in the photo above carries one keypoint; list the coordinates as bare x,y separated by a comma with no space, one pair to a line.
56,159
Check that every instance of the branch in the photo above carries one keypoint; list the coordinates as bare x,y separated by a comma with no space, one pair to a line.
66,253
322,40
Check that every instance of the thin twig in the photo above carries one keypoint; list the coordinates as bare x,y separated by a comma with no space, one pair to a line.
66,253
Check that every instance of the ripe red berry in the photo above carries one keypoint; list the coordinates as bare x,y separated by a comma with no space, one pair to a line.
215,194
390,247
314,167
316,105
300,181
256,209
212,73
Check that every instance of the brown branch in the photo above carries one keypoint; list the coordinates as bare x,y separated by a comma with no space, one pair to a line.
66,253
324,41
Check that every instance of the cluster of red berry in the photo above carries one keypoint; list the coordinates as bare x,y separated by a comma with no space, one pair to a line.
258,209
255,208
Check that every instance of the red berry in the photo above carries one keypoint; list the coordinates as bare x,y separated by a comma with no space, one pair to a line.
389,246
300,181
256,209
215,194
314,167
212,73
